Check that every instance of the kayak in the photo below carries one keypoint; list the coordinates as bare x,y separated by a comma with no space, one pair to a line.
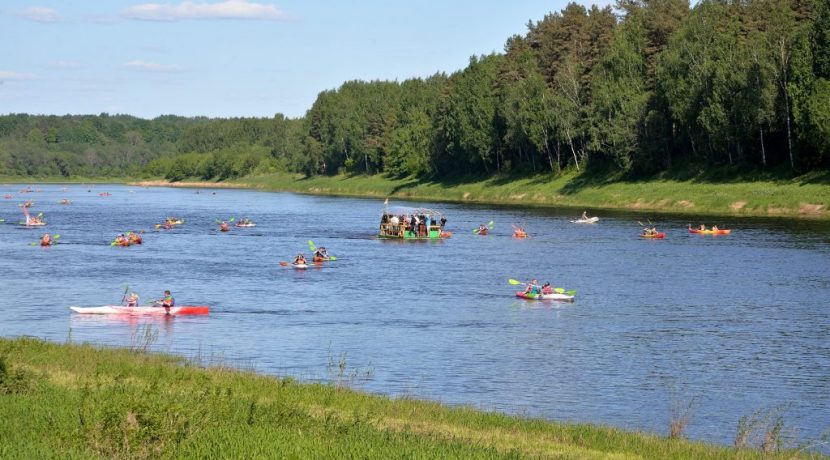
175,222
34,224
245,225
122,310
590,220
318,260
657,236
483,232
562,297
300,266
519,235
711,232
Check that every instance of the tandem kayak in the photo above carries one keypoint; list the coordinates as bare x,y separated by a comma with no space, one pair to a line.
122,310
656,236
561,297
711,232
591,220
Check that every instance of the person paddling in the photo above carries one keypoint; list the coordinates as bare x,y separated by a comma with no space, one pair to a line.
300,260
223,227
132,300
321,254
584,215
46,240
167,301
532,287
547,289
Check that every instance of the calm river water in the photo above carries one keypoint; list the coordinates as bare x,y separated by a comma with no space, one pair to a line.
733,324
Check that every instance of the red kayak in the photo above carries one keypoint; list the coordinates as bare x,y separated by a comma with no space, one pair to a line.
656,236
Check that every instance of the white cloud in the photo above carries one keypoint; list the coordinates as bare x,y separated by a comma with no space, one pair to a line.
7,75
228,9
39,14
147,66
68,65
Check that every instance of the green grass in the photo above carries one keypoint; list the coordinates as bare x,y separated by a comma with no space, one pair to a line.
82,401
801,197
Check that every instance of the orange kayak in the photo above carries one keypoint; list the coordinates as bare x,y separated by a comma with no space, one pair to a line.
656,236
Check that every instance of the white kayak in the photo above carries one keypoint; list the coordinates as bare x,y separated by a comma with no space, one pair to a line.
590,220
245,225
300,266
122,310
554,296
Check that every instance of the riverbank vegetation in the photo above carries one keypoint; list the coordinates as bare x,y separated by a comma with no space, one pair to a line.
82,401
649,91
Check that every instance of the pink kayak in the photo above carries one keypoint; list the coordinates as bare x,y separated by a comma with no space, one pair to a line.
122,310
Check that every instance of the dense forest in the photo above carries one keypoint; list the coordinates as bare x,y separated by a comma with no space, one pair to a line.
648,86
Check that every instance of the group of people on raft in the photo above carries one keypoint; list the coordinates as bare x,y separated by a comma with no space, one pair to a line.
534,288
320,255
128,239
420,225
167,301
702,228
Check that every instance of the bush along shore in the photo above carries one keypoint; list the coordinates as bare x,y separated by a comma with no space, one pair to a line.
803,197
84,401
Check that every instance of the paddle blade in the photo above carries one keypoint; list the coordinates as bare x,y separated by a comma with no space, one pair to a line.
571,293
34,244
311,246
283,264
559,290
490,224
514,282
232,219
56,237
332,258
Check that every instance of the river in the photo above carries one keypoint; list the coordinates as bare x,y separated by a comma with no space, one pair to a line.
729,324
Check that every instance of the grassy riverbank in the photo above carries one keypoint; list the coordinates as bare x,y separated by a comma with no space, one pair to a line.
802,197
80,401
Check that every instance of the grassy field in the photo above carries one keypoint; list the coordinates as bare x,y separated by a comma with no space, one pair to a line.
802,197
80,401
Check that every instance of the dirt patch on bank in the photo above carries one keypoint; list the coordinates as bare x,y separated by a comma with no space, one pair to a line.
737,206
686,204
811,209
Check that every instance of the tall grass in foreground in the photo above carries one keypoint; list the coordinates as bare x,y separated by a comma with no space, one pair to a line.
82,401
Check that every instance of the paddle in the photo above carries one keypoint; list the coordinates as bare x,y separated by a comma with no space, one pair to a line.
124,297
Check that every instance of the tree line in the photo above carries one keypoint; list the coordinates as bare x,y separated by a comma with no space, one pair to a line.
647,86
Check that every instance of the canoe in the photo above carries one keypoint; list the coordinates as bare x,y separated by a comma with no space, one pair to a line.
561,297
122,310
590,220
658,236
711,232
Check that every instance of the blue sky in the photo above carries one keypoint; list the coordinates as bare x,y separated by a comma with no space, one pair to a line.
223,58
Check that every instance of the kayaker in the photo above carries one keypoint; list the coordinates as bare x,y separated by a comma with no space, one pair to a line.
167,301
482,228
714,228
443,222
702,228
223,227
547,289
321,254
46,240
300,260
532,287
584,215
132,300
